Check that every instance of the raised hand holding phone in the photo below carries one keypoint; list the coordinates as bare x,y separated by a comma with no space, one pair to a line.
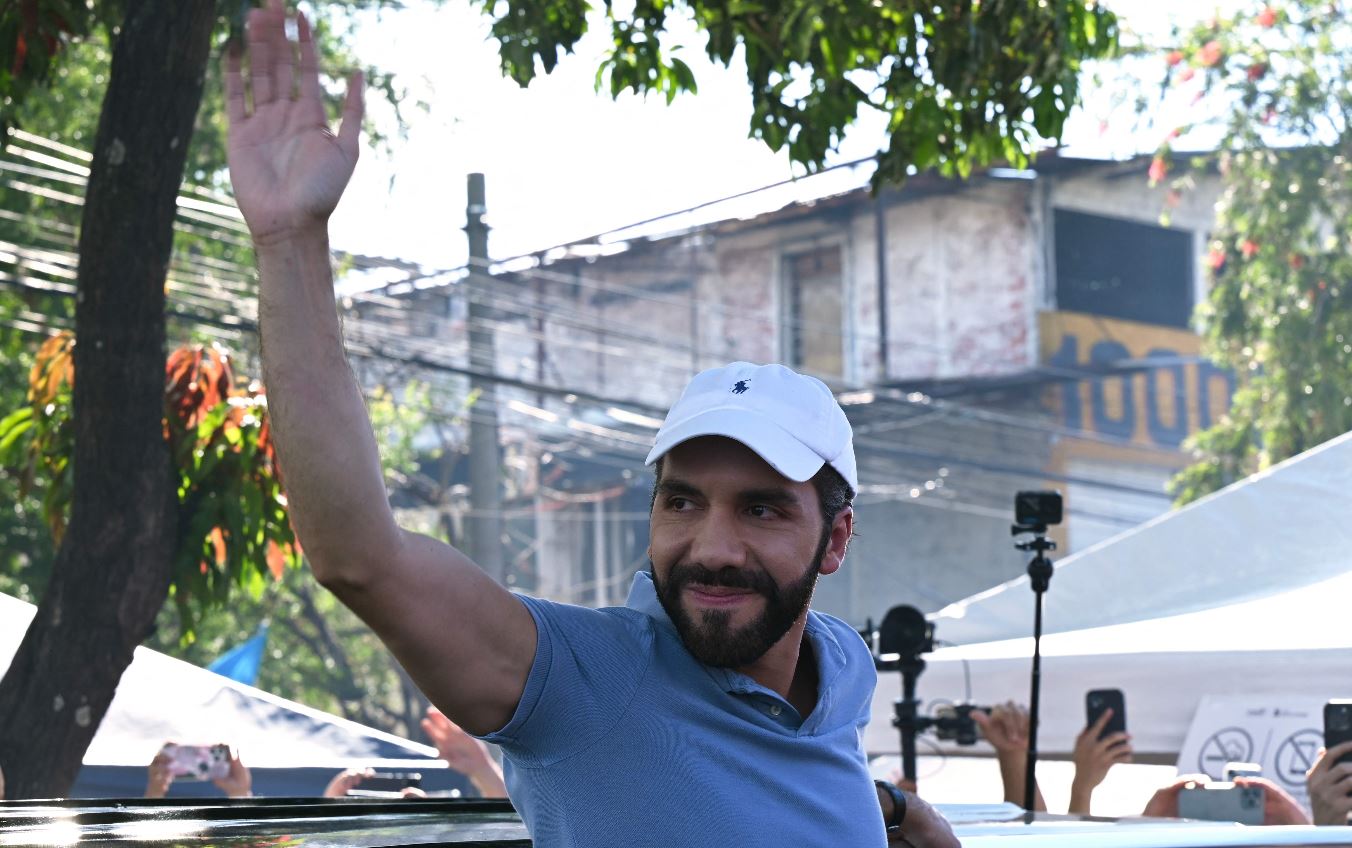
1100,701
1102,744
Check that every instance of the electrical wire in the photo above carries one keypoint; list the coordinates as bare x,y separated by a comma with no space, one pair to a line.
671,344
221,297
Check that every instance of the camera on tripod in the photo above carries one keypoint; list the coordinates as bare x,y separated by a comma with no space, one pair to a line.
898,644
903,636
1034,512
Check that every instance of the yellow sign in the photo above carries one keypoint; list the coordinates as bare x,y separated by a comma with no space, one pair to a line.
1157,389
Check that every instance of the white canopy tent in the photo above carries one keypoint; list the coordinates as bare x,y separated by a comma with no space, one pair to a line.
288,746
1296,642
1287,527
1244,592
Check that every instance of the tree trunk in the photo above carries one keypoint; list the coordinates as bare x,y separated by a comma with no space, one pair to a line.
112,572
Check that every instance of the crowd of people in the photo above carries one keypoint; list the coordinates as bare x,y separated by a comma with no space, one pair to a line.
460,751
1005,728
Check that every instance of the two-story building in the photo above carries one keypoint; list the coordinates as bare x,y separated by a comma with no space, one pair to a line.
1021,329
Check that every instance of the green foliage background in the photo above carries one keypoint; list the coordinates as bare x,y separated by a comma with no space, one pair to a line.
1280,305
319,653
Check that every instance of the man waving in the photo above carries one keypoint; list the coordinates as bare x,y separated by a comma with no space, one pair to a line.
714,708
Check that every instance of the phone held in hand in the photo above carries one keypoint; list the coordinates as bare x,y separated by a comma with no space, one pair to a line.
198,762
1098,701
1338,726
1237,769
1224,802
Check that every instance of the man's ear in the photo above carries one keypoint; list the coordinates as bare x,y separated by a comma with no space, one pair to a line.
842,528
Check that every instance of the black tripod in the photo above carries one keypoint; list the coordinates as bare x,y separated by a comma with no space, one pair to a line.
1040,576
908,720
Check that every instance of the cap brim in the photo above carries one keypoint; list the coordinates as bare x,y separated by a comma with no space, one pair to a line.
759,432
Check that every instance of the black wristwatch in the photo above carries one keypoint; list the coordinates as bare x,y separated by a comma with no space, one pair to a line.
898,803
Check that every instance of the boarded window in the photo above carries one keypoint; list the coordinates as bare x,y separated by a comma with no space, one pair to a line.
815,298
1123,269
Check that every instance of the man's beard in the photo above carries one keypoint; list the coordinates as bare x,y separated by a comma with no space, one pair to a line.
712,639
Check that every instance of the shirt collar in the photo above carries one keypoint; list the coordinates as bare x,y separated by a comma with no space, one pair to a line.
643,598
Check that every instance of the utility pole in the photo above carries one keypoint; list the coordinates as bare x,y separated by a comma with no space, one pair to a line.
485,464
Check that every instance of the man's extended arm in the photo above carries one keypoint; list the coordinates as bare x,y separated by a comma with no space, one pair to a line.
466,641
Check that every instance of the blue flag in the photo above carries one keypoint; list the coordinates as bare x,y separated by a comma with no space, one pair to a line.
241,663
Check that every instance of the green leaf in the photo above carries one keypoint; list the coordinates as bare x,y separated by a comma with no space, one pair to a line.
12,428
685,78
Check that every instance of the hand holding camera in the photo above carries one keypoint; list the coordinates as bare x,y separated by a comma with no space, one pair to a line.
1005,727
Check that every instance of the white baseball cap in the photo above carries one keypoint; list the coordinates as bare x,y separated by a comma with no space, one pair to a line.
791,420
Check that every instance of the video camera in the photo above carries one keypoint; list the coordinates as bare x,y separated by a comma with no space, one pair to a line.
898,643
954,723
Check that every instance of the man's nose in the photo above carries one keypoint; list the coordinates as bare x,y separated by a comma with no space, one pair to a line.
717,541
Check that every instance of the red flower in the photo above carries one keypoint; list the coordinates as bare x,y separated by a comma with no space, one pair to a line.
1296,261
1188,73
1216,259
1257,71
1172,198
1159,169
1175,133
1210,53
1267,17
1249,248
1173,57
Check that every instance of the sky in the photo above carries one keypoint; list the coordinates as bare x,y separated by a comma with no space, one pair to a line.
562,162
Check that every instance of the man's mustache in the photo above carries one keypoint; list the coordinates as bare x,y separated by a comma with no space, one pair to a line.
728,577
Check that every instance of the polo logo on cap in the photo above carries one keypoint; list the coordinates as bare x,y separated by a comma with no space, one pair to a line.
741,387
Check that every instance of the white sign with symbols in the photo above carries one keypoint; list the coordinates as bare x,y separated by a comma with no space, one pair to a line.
1283,734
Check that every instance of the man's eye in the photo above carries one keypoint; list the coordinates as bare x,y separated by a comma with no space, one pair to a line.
761,511
678,503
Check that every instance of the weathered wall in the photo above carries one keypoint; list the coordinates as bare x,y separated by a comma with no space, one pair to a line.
962,283
748,316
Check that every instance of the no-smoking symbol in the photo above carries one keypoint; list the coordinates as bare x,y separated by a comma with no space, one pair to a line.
1296,755
1231,744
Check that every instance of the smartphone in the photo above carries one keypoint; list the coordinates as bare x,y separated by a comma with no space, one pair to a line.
1338,726
198,762
1097,701
1223,802
1235,769
391,781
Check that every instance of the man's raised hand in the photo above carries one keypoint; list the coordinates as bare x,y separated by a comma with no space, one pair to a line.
288,168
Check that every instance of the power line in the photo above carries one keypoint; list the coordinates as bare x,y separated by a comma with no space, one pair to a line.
197,302
535,308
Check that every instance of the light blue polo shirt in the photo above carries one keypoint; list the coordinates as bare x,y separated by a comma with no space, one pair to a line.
623,739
